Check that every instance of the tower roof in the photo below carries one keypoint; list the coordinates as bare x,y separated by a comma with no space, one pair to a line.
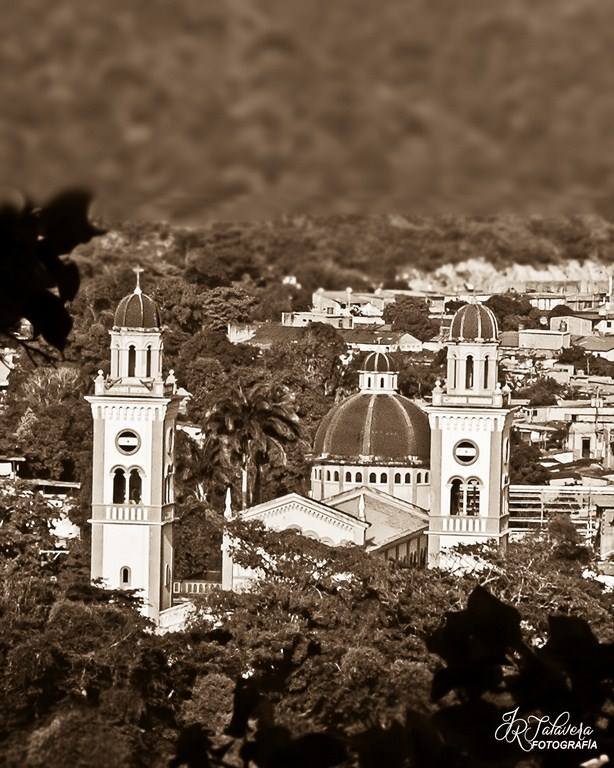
474,322
137,310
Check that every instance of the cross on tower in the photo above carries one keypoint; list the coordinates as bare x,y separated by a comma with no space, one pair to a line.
137,271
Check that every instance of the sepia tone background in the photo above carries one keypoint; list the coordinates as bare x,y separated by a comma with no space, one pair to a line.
247,109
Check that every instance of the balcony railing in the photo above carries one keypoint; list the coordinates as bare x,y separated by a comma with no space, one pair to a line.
188,587
468,524
138,513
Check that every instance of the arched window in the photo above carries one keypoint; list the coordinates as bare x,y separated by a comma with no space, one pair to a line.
348,477
369,382
119,486
148,362
168,484
336,477
131,361
454,382
469,372
397,477
485,373
124,577
328,474
456,497
373,477
359,477
408,478
419,477
472,506
134,487
383,478
381,382
426,477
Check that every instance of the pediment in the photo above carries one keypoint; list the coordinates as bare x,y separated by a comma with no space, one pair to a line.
309,516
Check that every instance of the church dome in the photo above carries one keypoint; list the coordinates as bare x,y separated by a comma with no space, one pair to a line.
474,322
137,310
377,362
381,427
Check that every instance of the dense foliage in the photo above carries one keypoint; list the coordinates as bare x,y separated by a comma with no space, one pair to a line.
335,657
411,315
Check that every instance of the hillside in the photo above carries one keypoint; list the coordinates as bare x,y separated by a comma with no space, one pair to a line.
336,251
249,109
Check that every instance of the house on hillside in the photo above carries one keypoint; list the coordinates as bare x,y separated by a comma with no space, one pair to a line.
599,346
376,340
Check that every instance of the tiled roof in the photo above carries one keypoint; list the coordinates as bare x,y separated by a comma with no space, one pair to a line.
271,333
389,518
597,343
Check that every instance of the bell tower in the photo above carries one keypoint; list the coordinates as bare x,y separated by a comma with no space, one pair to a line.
470,423
134,411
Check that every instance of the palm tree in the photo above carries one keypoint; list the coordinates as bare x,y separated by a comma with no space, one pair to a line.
254,426
201,466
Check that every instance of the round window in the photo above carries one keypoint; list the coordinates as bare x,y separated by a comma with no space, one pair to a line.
465,452
128,441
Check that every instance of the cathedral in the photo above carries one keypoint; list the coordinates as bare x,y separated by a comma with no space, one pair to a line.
399,480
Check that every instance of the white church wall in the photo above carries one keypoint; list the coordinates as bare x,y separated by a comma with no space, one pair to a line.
477,429
125,545
406,483
138,419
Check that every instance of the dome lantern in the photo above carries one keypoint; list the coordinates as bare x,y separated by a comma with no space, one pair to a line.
378,374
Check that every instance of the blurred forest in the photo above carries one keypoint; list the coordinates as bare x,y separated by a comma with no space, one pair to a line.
250,109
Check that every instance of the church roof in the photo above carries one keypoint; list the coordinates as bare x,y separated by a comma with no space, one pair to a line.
378,362
137,310
389,518
385,518
383,427
474,322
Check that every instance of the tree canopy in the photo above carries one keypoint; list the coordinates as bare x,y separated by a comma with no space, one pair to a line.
411,315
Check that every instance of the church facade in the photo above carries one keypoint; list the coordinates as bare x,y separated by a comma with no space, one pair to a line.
422,480
402,481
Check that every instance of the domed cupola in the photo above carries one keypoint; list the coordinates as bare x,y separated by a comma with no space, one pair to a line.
378,374
137,310
136,338
474,322
375,437
473,371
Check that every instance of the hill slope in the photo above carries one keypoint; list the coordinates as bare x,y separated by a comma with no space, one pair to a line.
247,109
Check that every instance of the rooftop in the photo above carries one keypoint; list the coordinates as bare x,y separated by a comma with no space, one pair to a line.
389,518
